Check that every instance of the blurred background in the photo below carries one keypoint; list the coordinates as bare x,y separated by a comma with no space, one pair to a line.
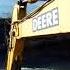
6,7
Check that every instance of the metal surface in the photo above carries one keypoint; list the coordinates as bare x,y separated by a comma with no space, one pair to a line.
58,11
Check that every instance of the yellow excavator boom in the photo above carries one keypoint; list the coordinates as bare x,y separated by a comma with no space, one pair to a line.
53,17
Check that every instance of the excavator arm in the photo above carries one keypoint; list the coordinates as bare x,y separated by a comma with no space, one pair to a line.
50,18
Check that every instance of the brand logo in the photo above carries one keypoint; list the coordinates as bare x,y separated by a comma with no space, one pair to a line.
46,20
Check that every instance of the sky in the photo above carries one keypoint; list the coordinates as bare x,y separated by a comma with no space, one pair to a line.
6,7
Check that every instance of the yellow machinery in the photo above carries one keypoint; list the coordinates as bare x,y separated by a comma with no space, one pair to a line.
51,18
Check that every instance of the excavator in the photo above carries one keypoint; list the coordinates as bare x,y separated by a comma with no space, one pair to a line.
36,27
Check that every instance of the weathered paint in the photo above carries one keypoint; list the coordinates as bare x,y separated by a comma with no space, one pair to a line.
25,28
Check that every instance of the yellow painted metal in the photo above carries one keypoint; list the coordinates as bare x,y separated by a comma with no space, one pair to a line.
14,53
24,28
15,45
15,13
